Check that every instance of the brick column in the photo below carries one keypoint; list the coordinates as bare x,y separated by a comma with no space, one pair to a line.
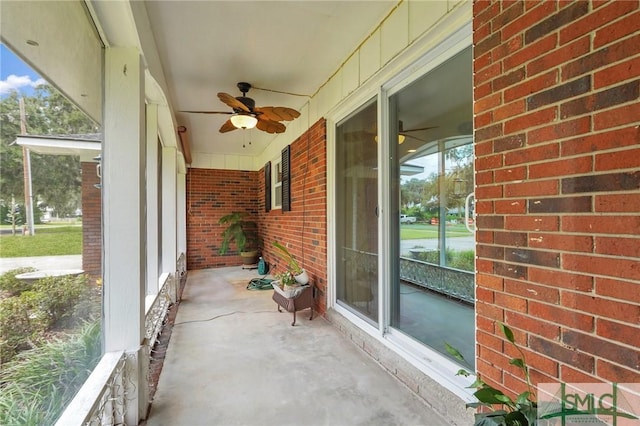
91,222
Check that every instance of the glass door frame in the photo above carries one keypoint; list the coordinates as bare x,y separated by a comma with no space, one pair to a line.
384,85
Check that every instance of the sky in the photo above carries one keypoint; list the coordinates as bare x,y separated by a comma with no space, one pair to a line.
15,74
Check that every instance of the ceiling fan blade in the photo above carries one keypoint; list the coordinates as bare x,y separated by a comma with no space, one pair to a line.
227,127
413,137
418,130
270,126
207,112
278,113
232,102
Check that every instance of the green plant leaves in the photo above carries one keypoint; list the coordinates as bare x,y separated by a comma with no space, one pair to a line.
507,333
464,373
454,352
518,362
491,395
522,412
516,418
243,233
523,398
495,418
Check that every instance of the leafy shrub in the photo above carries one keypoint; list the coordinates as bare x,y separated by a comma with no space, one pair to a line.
59,295
37,386
89,308
51,302
463,260
22,324
455,259
12,285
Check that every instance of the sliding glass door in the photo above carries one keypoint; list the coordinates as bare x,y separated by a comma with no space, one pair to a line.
432,288
357,213
415,281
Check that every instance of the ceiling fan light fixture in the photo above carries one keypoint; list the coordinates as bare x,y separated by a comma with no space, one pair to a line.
244,121
401,139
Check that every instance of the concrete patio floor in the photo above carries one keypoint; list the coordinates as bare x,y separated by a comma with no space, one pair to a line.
233,359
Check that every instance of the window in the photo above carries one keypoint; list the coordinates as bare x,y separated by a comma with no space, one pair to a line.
276,183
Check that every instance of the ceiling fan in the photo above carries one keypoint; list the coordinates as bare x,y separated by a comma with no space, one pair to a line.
246,115
404,133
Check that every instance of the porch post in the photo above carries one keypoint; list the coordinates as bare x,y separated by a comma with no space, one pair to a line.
169,217
182,213
153,253
124,220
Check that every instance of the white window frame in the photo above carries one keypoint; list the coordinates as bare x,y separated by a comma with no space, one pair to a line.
276,185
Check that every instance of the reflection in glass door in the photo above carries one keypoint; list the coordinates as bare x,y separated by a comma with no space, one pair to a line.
357,213
432,289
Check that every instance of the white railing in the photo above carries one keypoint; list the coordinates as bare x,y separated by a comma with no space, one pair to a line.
102,398
157,308
181,266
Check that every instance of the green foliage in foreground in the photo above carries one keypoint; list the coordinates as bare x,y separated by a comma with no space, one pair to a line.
54,241
37,385
13,286
49,304
504,411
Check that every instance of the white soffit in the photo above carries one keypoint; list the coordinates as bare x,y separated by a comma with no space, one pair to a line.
52,145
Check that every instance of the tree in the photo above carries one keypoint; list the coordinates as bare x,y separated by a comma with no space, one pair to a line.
10,156
55,179
14,216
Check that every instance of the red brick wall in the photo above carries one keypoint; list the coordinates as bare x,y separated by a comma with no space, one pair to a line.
91,222
214,193
557,113
211,194
303,230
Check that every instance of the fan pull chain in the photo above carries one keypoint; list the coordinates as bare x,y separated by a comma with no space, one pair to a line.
244,138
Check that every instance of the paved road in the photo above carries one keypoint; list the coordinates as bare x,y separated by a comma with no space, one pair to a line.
41,263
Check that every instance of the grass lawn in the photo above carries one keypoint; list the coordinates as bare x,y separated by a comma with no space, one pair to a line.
47,241
423,231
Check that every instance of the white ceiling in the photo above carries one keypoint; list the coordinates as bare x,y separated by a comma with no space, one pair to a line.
207,47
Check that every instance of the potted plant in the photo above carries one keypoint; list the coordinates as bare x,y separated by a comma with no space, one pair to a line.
522,411
287,279
293,266
243,233
287,285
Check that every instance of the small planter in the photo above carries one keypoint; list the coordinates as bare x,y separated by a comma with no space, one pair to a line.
302,278
288,291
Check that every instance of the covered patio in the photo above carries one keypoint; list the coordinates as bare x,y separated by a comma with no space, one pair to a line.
530,109
234,359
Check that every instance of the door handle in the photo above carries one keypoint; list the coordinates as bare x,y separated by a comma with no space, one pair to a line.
467,205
